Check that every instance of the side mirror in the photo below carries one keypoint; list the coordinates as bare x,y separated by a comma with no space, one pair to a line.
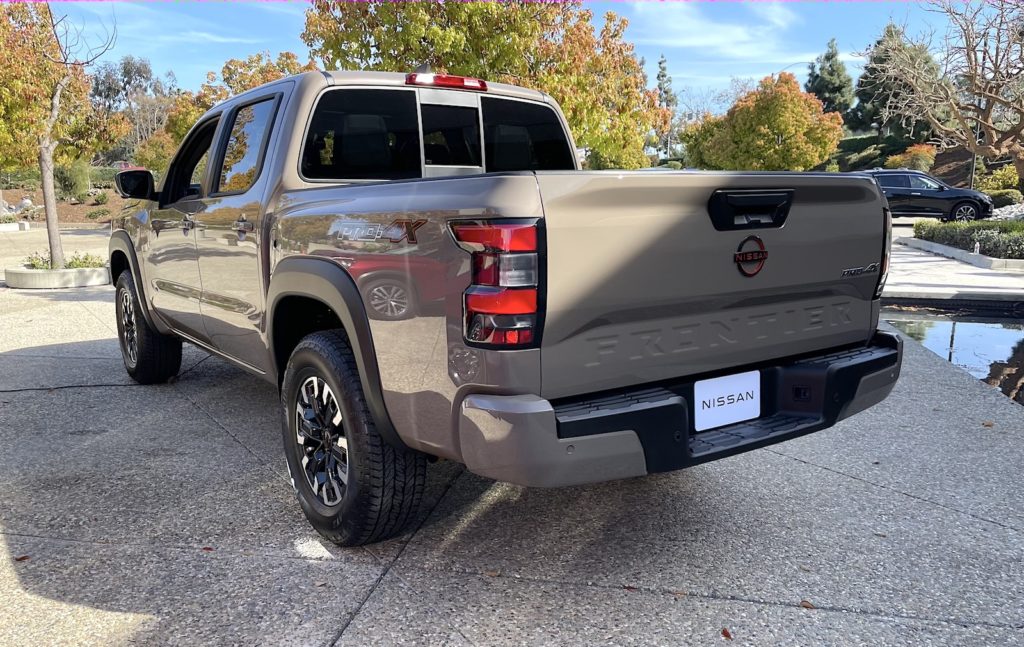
942,187
136,183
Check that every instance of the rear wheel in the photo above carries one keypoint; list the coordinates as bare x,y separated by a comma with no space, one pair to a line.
149,356
964,212
353,486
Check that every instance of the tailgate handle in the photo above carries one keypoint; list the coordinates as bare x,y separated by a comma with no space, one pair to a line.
734,209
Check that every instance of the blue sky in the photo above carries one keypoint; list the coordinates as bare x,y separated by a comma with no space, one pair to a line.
706,43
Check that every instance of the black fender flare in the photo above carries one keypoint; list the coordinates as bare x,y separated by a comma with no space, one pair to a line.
121,242
325,281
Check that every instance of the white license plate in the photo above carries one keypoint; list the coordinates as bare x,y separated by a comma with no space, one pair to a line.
724,400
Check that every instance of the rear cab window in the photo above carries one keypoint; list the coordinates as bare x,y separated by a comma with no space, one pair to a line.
385,134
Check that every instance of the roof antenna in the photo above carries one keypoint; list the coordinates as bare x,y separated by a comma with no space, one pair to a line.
423,68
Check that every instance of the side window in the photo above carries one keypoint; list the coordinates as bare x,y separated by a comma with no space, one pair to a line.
922,182
244,149
185,175
892,181
523,136
363,135
451,135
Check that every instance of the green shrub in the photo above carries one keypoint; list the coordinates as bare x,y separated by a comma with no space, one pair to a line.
999,180
870,157
674,165
41,261
23,179
6,219
96,214
72,181
102,177
78,261
101,198
999,239
832,167
1006,197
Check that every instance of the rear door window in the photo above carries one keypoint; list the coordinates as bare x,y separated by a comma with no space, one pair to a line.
921,182
523,136
894,181
363,135
451,135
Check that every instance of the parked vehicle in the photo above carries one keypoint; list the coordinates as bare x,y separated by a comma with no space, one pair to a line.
913,193
568,326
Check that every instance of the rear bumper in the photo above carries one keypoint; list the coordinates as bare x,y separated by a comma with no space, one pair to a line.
528,440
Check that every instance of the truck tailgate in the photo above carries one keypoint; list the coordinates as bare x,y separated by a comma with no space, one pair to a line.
644,285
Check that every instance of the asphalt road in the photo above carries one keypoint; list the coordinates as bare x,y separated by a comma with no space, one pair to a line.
137,515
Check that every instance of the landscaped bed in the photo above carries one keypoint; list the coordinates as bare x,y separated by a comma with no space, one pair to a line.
998,239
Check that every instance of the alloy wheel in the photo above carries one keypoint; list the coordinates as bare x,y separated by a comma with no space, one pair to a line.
390,299
321,439
964,213
129,333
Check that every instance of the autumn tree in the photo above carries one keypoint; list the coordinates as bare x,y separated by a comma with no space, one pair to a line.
976,98
45,98
553,47
697,137
128,89
828,80
775,127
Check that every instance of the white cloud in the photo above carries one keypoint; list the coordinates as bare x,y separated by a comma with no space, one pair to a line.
207,37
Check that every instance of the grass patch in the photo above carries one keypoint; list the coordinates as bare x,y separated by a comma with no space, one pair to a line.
999,239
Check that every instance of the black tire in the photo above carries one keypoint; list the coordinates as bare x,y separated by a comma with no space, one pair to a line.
963,212
150,357
354,487
389,299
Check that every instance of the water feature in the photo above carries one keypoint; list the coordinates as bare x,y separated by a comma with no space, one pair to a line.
991,350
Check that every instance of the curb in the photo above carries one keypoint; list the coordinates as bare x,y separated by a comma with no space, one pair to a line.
978,260
17,277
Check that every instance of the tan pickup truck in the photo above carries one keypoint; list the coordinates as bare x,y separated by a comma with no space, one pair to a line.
421,266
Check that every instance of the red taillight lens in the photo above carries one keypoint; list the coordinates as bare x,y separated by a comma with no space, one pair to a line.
501,304
446,81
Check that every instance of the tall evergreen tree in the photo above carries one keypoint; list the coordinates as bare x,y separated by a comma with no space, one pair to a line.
667,100
875,90
829,81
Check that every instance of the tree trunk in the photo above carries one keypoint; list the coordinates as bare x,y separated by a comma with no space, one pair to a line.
1018,163
50,203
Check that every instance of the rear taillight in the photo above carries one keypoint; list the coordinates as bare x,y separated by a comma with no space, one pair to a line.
445,81
501,303
883,273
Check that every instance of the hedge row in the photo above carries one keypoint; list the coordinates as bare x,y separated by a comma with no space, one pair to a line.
100,177
1006,197
998,239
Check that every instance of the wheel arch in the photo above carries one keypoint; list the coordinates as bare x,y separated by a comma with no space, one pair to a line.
122,258
302,284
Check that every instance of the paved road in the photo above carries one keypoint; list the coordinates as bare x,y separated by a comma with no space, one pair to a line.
162,514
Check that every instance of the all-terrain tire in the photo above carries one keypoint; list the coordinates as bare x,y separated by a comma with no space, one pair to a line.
150,357
382,485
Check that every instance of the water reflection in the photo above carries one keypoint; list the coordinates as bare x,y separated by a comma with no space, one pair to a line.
990,350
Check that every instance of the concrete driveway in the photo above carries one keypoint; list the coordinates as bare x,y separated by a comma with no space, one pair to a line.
135,515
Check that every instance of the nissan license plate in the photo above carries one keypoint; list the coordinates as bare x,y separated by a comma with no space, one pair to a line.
726,400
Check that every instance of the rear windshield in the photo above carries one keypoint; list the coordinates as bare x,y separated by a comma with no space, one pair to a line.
520,136
451,135
363,135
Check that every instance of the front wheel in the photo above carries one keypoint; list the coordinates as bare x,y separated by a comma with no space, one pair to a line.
149,356
353,486
964,212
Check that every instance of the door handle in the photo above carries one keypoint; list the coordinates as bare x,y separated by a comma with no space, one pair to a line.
187,222
243,226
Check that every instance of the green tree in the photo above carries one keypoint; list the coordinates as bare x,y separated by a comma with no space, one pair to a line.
775,127
553,47
828,80
44,101
876,89
697,138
